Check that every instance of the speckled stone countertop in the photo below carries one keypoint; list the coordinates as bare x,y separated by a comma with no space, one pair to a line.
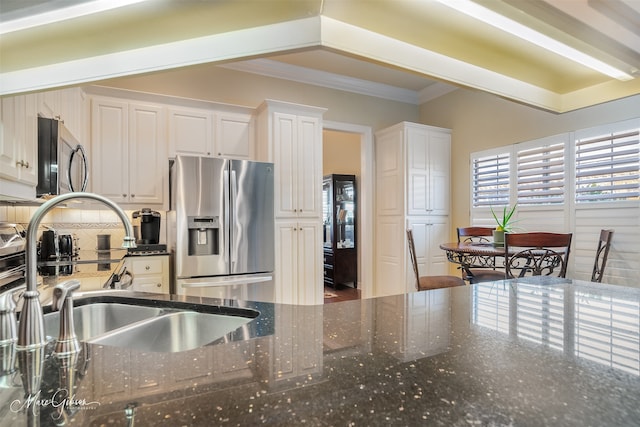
527,353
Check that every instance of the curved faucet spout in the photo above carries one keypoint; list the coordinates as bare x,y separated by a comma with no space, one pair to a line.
31,326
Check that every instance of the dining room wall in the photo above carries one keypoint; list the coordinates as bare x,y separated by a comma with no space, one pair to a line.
480,121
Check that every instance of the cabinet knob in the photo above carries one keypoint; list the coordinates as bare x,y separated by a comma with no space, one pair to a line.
124,195
133,195
23,164
159,285
146,267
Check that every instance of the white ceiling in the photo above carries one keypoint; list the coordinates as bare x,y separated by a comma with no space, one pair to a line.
606,29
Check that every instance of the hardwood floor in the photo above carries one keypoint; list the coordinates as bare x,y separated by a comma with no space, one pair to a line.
341,292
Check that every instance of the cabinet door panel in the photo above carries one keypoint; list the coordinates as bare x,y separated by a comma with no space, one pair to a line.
391,255
440,172
310,266
418,191
147,150
234,136
29,148
190,132
109,139
309,167
438,233
285,158
390,173
8,141
286,262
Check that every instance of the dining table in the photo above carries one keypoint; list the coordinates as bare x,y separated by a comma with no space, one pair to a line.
471,255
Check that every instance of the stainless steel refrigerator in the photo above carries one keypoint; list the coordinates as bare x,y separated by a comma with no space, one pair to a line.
221,220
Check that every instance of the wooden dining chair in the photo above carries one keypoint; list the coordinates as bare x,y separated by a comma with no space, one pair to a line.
479,235
602,253
537,254
429,282
475,234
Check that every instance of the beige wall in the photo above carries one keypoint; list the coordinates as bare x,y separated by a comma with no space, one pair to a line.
480,121
340,153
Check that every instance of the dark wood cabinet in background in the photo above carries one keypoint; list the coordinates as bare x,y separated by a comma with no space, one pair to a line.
339,207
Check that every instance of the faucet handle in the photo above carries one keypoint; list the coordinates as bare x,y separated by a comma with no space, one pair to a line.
8,320
7,302
62,291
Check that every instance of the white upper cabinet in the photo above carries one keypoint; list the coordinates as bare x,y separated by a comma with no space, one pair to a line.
190,132
129,151
415,158
19,139
428,170
295,147
235,136
68,106
210,132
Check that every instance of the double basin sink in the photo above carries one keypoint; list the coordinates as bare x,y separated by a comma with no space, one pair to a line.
150,325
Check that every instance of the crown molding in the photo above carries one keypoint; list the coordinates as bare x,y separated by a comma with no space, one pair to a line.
434,91
279,70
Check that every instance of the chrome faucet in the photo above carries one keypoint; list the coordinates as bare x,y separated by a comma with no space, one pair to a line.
31,325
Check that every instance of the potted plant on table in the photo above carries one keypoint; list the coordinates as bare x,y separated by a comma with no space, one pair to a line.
505,224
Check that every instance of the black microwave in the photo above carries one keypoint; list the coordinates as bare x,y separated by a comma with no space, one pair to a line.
62,162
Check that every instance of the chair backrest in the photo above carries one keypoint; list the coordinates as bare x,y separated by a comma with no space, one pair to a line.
412,254
602,253
537,254
475,234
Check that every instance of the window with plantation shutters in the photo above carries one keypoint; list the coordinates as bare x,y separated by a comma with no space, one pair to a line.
541,175
490,177
608,167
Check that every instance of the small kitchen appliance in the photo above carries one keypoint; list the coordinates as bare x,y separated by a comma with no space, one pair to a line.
62,162
56,253
146,226
12,253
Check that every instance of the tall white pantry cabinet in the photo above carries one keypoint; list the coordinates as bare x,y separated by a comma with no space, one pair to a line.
290,136
413,191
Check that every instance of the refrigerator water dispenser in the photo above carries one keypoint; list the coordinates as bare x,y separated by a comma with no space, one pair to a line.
204,235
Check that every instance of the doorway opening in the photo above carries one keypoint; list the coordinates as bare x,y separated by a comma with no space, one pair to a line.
348,150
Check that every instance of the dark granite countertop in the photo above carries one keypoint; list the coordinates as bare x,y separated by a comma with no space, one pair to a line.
528,353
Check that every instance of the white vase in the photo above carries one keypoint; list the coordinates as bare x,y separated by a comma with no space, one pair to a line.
498,237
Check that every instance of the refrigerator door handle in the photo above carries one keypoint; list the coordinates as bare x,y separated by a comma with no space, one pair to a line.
234,197
225,182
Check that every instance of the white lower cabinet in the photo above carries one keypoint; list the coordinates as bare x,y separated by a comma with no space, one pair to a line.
394,272
299,268
150,273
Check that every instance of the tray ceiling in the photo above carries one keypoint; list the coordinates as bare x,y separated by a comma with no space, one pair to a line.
409,50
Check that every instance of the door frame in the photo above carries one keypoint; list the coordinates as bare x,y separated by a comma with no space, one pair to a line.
366,200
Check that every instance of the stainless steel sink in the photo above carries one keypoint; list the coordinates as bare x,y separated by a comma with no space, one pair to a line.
173,332
96,319
148,325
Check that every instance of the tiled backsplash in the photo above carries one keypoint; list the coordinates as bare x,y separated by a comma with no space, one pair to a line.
84,224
